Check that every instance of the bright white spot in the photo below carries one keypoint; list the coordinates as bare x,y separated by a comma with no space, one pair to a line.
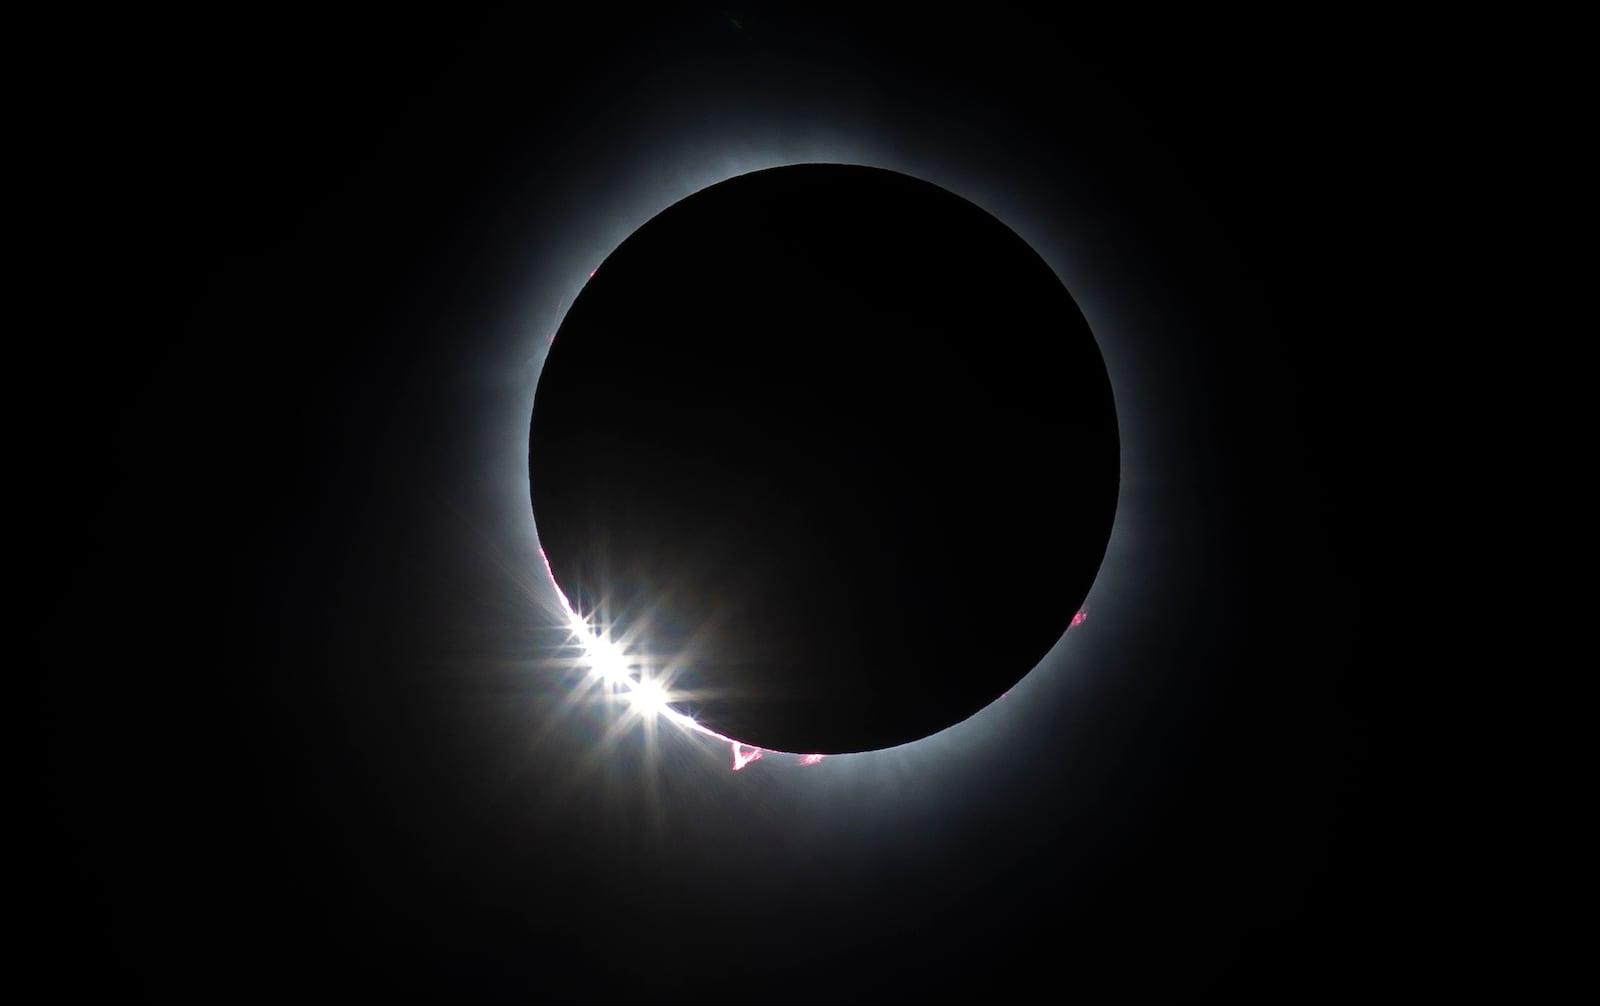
606,661
648,698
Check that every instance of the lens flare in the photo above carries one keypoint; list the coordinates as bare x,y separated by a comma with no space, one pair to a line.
649,699
649,696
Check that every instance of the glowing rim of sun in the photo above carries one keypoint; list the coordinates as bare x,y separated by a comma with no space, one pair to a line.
646,689
615,668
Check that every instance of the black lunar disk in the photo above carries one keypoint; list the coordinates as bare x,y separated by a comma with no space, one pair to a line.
837,445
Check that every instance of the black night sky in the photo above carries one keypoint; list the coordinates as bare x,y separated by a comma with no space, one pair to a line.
311,734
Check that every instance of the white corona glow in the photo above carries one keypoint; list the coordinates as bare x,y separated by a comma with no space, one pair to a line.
665,164
998,184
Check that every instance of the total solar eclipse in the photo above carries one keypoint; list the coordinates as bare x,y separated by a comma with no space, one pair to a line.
831,450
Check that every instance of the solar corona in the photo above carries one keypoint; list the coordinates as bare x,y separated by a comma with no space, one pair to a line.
791,433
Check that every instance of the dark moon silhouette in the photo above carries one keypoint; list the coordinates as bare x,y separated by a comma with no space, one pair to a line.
834,442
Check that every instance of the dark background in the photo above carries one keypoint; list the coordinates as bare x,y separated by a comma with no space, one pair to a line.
302,733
